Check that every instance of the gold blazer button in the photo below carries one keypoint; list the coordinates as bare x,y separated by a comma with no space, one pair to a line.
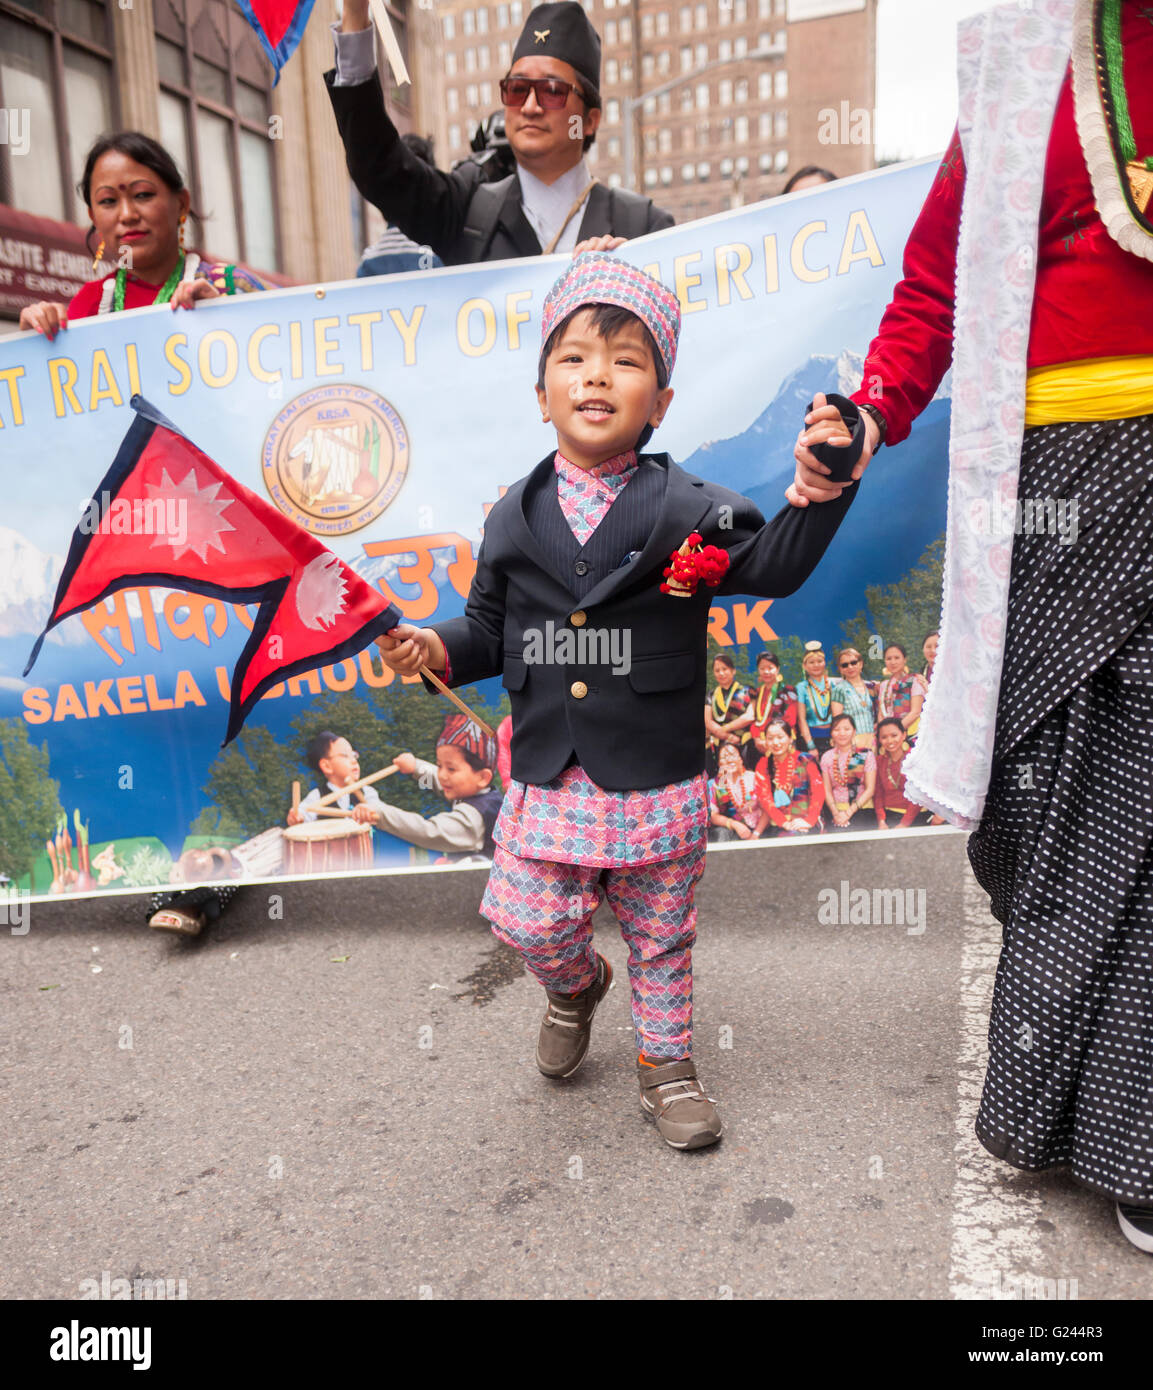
578,690
579,618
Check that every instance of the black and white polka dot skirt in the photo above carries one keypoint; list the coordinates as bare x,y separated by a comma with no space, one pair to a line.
1065,848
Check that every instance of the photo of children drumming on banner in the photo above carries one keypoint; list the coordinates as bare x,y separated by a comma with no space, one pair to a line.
613,555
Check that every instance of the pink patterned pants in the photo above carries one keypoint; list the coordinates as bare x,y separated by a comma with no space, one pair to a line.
544,910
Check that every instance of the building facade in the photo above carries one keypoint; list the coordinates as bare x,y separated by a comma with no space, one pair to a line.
264,163
722,127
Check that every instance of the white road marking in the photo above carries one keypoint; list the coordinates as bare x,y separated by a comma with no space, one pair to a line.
995,1241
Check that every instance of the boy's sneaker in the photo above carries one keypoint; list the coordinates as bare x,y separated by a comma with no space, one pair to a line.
672,1095
567,1025
1137,1224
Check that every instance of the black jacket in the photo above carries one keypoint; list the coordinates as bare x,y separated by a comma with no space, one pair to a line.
463,218
643,728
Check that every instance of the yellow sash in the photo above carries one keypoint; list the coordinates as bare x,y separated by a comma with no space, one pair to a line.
1101,388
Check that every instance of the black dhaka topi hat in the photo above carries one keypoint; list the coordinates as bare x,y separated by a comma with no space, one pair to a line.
562,31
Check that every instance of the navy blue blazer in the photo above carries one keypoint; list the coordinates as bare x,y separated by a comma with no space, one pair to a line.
597,661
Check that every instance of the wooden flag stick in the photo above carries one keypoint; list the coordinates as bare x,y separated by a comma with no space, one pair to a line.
457,701
352,787
328,810
296,796
388,38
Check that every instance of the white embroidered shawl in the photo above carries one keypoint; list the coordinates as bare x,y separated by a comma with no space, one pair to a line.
1011,61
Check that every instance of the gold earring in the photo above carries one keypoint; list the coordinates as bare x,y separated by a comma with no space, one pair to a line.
98,256
183,219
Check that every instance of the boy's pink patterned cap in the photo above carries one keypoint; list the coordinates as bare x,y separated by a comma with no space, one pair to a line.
596,277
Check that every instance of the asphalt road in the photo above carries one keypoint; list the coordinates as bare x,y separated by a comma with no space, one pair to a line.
342,1102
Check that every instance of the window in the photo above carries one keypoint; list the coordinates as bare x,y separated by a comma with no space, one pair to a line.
741,90
626,30
450,63
650,178
725,11
765,162
782,161
686,18
482,20
782,39
486,94
726,168
782,6
214,109
686,59
665,140
482,57
648,26
686,98
725,47
449,27
740,46
702,54
764,85
471,96
453,137
626,69
663,23
614,180
467,22
702,16
650,106
704,169
764,9
741,130
725,91
504,56
687,172
782,124
453,100
611,70
667,174
702,96
743,164
781,82
765,125
610,31
470,60
43,183
501,17
664,62
612,112
741,10
648,65
516,12
614,148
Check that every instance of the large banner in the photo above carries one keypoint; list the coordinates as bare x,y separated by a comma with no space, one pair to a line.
386,416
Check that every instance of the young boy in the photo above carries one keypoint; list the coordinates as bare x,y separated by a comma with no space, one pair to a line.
608,790
465,758
336,765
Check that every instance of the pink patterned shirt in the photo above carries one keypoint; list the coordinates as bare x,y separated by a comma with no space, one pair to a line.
571,820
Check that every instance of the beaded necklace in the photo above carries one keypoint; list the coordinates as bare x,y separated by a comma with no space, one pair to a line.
167,290
1138,170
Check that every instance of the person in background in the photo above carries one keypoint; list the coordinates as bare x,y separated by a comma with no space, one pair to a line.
392,253
859,696
552,109
902,693
849,775
335,765
889,797
929,648
819,698
139,208
734,811
725,720
789,785
772,699
811,176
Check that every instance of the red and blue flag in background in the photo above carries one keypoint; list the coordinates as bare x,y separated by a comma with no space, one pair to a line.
279,26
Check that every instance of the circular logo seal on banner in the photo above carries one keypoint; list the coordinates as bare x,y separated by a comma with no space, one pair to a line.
335,458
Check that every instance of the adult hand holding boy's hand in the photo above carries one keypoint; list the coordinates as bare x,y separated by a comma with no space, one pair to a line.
406,649
363,814
823,425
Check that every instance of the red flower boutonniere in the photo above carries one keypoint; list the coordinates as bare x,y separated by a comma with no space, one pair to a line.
692,563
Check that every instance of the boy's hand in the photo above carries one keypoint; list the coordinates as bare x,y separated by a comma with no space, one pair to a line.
599,243
406,649
823,424
405,763
295,818
362,814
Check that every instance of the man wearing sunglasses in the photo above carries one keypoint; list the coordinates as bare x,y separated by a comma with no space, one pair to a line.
552,108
